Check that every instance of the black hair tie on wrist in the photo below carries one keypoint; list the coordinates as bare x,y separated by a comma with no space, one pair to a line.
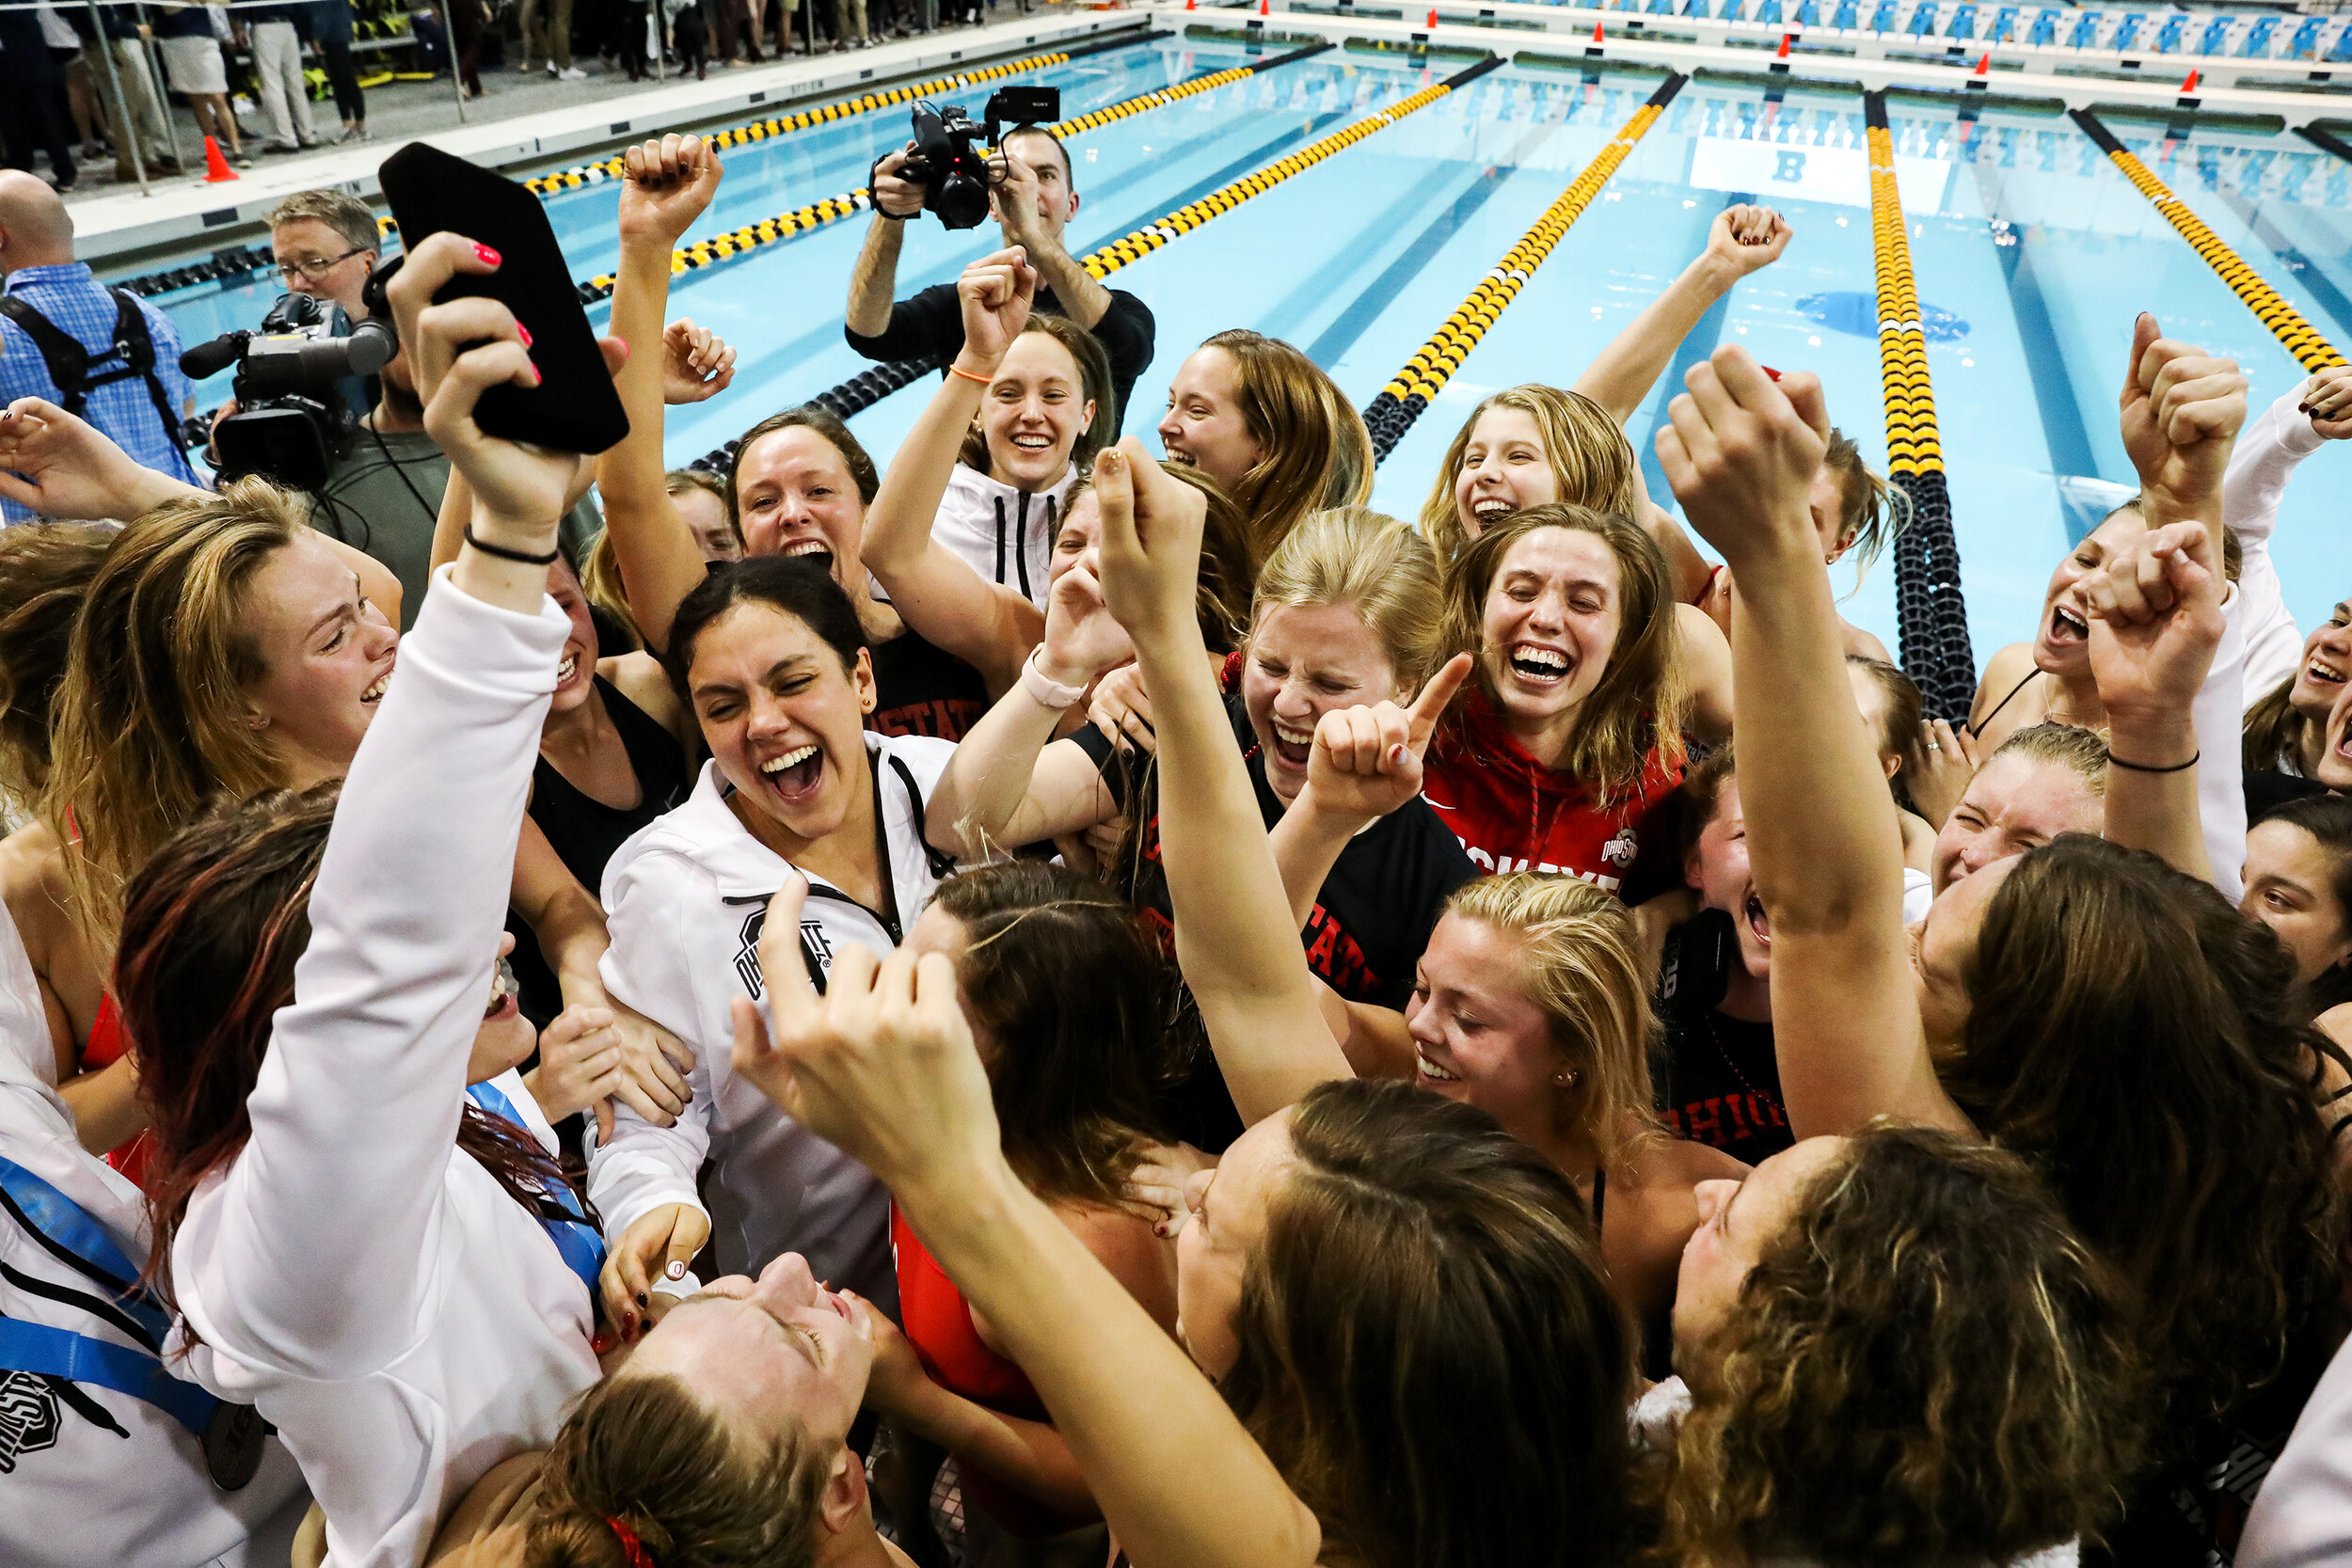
2143,768
520,557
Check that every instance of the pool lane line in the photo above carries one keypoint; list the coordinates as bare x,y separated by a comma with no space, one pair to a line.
581,175
2326,141
719,247
1930,616
2302,339
1389,415
1132,248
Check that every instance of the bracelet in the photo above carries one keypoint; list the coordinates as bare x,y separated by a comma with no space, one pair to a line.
983,380
1043,690
520,557
2143,768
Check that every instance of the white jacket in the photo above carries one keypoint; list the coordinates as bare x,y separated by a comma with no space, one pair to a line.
1004,533
2265,458
684,901
405,1324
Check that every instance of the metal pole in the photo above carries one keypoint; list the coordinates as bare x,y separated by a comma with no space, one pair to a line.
661,41
159,84
449,42
123,109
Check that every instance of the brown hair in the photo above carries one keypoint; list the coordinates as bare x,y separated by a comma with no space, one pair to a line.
2276,733
1700,795
212,930
1870,511
1094,382
1376,566
344,213
1424,1274
600,583
2138,1038
808,416
1592,462
640,1448
1925,1366
1077,1000
45,573
150,720
1317,453
1898,724
1638,704
1582,967
2328,820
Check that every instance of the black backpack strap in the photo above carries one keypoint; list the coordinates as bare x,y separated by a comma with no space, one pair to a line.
66,359
69,362
942,863
136,344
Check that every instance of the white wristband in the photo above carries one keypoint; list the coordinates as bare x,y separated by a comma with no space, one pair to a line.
1043,692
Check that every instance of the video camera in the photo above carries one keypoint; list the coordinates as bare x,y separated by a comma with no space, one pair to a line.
300,383
946,161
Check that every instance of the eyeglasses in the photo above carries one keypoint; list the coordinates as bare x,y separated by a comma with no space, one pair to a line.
318,267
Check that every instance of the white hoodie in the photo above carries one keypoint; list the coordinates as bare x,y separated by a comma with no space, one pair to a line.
1002,532
2265,458
684,901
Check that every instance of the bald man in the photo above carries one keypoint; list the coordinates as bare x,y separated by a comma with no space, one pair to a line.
102,353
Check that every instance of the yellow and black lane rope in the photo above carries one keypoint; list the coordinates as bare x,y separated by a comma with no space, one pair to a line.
1389,415
715,249
1931,617
1130,248
737,135
2302,339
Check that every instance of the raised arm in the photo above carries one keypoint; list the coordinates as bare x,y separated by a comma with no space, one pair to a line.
1082,296
990,628
1825,844
1740,240
664,188
407,907
875,277
883,1064
1235,940
2155,620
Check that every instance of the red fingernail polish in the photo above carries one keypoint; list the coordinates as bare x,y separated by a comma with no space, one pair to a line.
524,333
601,1344
486,253
537,375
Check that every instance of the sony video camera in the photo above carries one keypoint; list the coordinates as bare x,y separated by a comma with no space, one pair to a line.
300,384
947,162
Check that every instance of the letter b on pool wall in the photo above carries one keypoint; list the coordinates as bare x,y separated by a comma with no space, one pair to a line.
1789,170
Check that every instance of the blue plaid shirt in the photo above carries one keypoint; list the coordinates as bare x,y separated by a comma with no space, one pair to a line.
83,309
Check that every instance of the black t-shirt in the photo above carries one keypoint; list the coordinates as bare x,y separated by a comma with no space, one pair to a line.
931,322
1719,1084
922,689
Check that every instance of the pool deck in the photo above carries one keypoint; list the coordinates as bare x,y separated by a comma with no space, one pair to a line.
183,219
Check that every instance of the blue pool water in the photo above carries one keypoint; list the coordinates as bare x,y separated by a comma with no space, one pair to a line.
2032,255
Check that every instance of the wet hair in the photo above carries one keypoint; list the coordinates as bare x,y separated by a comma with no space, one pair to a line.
1094,384
1424,1274
1375,565
212,927
1592,462
1077,999
2081,751
2142,1041
150,721
641,1448
1317,453
1638,704
1870,511
2328,819
1582,969
1925,1366
808,416
799,586
346,214
600,583
45,573
1700,795
1898,722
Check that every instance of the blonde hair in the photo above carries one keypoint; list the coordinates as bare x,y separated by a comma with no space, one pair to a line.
1317,453
1638,704
1375,565
600,585
1583,968
1592,462
1870,511
150,720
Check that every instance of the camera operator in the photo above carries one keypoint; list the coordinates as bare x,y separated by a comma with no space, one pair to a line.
326,242
1036,198
104,354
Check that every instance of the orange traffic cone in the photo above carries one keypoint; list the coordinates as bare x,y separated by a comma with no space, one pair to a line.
1433,16
1264,8
1984,63
1597,35
216,167
1784,47
2189,85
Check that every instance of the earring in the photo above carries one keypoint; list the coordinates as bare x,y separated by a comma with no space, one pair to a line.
1566,1080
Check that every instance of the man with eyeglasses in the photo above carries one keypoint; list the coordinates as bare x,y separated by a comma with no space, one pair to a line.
325,243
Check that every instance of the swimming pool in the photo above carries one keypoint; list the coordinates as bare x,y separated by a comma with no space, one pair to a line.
2031,253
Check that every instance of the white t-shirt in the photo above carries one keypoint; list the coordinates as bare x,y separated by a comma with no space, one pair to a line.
1002,532
2303,1516
404,1322
684,901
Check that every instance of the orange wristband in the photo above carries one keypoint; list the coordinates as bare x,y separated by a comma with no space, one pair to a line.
967,375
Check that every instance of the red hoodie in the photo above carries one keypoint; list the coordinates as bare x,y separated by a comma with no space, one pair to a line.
1512,814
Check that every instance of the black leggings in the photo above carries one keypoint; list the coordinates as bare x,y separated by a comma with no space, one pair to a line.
350,102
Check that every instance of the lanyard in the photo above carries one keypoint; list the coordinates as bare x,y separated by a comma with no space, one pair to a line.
575,1239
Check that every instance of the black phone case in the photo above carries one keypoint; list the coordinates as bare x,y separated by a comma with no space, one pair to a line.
1694,966
574,409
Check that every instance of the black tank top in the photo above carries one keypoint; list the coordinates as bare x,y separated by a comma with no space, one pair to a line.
585,831
924,689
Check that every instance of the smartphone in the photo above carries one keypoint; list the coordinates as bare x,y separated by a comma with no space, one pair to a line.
1694,965
574,409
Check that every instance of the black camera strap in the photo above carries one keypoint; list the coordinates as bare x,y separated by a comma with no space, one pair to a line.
873,176
70,363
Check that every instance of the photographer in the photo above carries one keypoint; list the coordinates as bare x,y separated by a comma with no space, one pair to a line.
100,353
1036,198
326,243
